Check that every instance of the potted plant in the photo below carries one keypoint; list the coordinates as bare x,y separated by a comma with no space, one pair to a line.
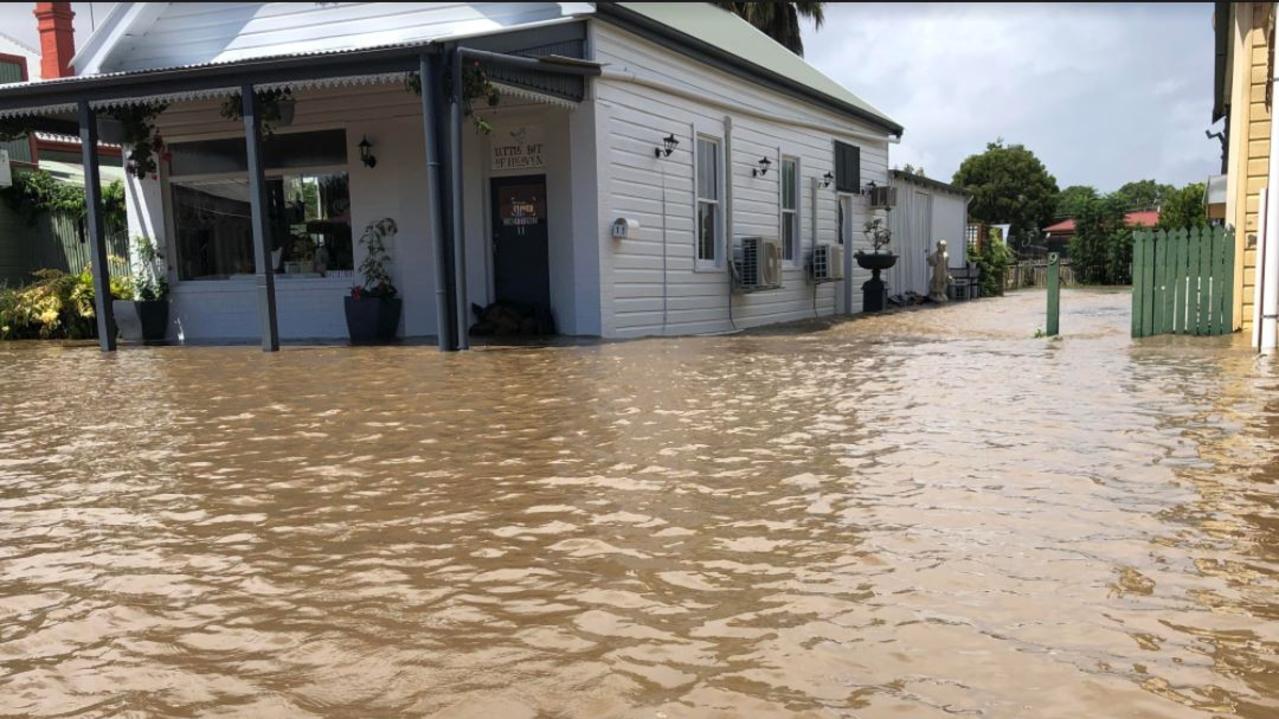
874,292
373,309
145,318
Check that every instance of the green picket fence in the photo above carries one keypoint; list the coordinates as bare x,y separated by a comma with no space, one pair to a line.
1183,281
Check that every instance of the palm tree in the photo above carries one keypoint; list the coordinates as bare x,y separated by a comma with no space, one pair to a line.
779,20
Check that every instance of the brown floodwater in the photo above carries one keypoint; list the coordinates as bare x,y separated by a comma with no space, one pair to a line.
923,514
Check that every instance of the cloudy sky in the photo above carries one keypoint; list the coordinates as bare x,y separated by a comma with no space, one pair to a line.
1102,93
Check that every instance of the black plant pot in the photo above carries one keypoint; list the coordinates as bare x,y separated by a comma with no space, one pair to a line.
141,320
874,291
875,261
372,320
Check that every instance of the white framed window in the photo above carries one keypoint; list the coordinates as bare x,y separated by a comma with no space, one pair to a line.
709,189
308,207
789,204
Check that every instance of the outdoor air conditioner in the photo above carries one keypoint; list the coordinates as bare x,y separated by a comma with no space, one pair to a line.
828,263
883,197
758,261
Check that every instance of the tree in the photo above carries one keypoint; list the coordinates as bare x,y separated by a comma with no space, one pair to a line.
1143,194
779,20
910,169
1072,199
1184,208
1009,184
1101,250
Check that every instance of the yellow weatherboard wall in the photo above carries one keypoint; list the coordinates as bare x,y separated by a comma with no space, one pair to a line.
1249,148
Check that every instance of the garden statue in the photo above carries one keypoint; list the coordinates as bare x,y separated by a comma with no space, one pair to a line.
940,261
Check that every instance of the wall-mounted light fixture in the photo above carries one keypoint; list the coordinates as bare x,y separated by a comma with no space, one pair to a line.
827,179
764,164
366,153
669,143
869,189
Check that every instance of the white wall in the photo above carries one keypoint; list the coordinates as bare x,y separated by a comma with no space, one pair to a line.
176,34
634,117
924,215
910,222
311,308
950,223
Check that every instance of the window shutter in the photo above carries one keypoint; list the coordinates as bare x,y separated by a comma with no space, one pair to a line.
848,167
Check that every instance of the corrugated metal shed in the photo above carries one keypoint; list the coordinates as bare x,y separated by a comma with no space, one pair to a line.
927,211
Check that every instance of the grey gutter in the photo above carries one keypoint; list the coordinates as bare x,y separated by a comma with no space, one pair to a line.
703,51
1221,51
258,71
928,182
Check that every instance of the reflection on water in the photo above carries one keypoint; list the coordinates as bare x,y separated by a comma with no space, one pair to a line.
928,514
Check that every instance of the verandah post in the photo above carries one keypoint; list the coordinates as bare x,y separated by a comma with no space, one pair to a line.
258,213
455,101
95,228
427,68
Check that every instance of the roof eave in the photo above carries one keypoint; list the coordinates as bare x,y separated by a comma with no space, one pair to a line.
929,182
700,49
1221,20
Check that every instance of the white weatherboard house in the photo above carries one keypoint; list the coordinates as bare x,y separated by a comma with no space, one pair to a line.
642,157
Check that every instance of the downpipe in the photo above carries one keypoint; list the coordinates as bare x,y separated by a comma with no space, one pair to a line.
1269,255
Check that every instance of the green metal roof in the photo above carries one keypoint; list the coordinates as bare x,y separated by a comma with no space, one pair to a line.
704,24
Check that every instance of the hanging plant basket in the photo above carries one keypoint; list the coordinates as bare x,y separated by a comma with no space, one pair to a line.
276,107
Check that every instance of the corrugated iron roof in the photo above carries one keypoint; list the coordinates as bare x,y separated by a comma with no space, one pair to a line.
1137,218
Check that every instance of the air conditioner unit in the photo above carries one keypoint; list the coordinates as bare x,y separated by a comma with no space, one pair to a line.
758,261
883,197
828,263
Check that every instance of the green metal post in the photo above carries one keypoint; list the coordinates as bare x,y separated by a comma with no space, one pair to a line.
1054,292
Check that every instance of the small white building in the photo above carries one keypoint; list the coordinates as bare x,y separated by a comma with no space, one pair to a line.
927,211
681,120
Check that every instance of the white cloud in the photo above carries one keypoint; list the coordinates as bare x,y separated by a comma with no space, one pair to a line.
1103,94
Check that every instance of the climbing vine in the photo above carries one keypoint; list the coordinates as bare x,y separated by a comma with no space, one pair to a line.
142,141
14,128
475,86
271,103
36,191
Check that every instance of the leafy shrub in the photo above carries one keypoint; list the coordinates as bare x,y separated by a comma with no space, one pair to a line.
1101,250
992,258
56,306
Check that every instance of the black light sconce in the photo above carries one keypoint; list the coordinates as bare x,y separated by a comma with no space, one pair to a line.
827,179
764,164
366,153
669,143
869,188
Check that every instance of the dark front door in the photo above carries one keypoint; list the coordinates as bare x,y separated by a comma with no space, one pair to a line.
519,241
